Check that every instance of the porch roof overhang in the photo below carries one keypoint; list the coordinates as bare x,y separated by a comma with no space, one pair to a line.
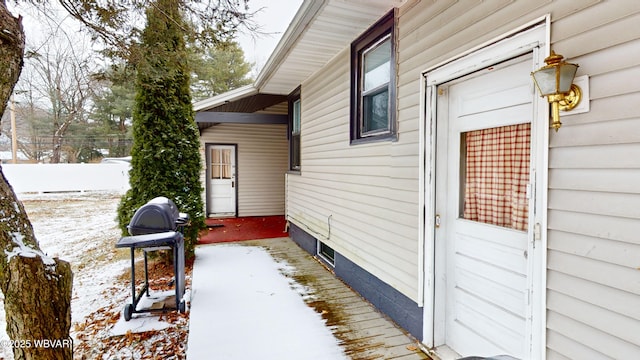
240,106
318,32
216,117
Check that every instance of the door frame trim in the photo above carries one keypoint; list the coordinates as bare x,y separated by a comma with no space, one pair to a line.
532,37
207,152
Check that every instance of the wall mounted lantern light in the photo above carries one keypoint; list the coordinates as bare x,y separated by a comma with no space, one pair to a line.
555,81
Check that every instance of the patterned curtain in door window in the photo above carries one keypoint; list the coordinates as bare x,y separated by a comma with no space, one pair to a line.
497,173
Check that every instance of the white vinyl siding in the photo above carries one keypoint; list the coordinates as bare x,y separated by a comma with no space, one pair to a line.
360,200
593,293
262,164
594,218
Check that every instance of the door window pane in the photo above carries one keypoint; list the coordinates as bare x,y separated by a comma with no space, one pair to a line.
495,170
221,163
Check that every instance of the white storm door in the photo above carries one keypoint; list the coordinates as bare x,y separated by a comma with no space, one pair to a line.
222,179
483,211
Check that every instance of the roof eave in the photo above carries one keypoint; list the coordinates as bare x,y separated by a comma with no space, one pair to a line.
231,95
299,24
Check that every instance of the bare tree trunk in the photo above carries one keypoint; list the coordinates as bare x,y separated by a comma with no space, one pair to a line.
37,303
37,289
56,150
58,138
11,53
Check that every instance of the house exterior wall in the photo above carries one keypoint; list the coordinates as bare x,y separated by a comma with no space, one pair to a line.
593,292
261,164
363,200
593,295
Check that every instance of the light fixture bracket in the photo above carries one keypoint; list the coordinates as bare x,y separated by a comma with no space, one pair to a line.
571,99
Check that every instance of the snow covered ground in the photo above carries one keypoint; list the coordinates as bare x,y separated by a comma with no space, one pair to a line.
79,228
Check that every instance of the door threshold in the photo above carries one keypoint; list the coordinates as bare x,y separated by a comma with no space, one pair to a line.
444,352
221,215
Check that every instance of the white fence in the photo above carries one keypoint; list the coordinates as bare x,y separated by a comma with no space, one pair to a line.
26,178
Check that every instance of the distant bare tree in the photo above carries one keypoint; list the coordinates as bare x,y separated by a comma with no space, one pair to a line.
58,77
32,122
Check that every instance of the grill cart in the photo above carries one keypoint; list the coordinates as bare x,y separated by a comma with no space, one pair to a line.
157,225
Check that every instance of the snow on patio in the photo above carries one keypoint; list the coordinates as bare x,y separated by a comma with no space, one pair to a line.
243,306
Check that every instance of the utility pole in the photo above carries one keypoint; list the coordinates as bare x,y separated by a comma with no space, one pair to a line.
14,137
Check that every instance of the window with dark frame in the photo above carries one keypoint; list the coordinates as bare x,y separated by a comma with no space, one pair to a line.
373,91
294,130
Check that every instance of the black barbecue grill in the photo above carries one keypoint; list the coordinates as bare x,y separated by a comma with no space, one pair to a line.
158,215
157,225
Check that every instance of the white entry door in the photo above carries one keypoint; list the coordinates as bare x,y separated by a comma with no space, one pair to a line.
483,211
222,180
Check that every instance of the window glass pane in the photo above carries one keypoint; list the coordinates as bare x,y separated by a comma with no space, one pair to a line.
295,152
221,164
215,171
375,111
376,67
495,168
327,253
225,164
296,117
215,163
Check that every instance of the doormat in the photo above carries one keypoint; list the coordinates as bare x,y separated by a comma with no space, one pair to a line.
243,228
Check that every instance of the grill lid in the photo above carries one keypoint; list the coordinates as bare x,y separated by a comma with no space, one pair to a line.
158,215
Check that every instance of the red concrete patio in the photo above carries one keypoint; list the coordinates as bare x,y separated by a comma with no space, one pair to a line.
243,228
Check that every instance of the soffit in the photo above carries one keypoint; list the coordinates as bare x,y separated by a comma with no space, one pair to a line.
318,32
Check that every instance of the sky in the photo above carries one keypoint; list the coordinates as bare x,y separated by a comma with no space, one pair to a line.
274,18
